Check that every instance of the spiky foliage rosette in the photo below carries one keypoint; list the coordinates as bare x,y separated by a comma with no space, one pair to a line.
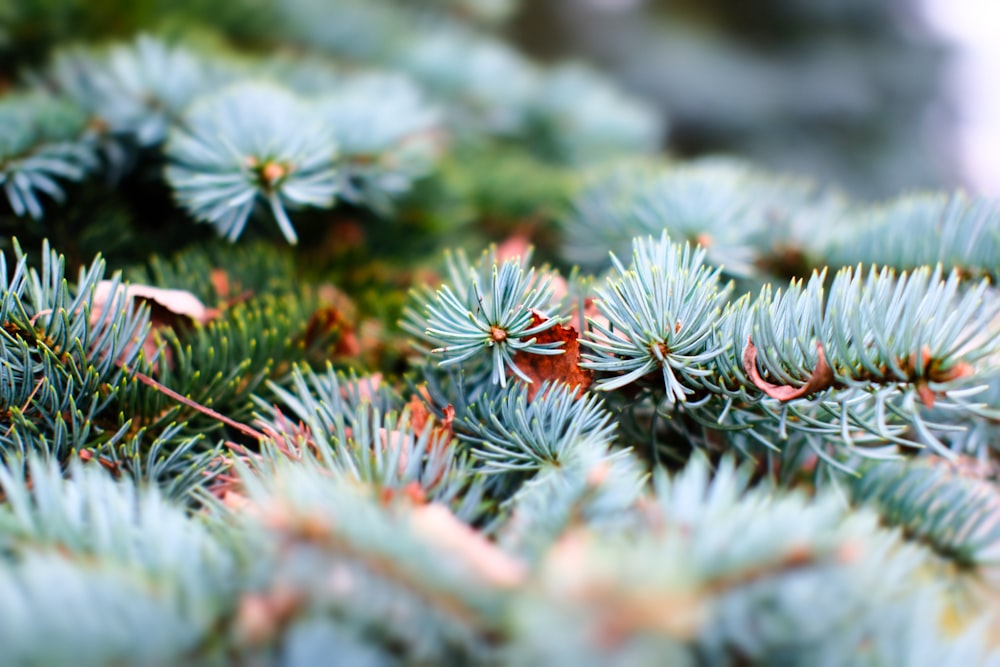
511,433
43,140
61,359
660,313
830,344
135,91
248,144
387,132
485,314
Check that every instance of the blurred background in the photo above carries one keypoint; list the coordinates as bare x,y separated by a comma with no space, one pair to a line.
875,97
878,97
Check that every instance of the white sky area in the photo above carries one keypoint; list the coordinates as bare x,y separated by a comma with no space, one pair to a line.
973,29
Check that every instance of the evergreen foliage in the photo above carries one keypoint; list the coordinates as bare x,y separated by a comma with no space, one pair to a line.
726,417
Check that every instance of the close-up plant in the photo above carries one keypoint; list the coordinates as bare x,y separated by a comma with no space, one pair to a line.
387,333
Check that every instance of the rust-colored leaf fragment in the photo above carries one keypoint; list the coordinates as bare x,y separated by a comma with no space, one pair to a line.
167,306
420,414
114,467
219,279
168,309
327,327
822,376
412,492
928,369
925,393
563,367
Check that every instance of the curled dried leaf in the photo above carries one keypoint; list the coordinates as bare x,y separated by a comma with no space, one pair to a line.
928,369
420,414
329,330
169,309
822,376
220,282
167,306
563,367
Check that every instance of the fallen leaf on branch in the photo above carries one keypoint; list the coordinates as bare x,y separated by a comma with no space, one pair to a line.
413,492
329,328
419,414
929,370
168,309
822,376
167,306
563,367
220,282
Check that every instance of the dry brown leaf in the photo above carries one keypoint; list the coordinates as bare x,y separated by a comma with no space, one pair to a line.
168,308
822,376
563,367
412,491
929,370
443,529
419,414
166,305
220,282
328,324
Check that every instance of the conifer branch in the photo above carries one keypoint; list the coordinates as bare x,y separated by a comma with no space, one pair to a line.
44,140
